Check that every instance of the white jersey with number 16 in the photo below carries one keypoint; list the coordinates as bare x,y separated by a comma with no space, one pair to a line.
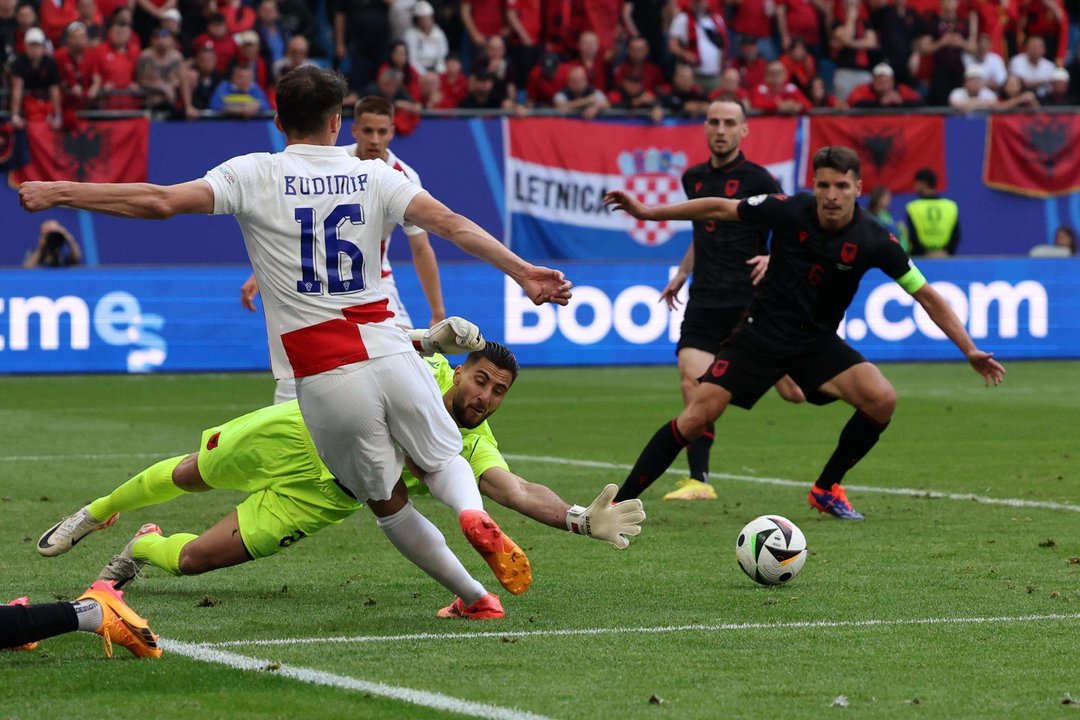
313,220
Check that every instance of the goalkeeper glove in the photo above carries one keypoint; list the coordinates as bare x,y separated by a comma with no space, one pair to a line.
607,522
452,336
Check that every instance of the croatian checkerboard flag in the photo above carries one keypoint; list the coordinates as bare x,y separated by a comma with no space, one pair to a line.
557,171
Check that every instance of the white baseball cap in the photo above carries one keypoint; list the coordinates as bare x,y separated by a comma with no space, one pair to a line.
172,14
973,72
1060,74
883,69
423,9
34,36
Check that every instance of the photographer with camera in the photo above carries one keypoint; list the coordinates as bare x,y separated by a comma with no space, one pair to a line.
56,248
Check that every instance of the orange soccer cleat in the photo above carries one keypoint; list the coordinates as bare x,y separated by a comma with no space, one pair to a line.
488,607
121,624
506,559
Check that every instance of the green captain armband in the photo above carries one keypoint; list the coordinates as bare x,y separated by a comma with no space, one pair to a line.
912,280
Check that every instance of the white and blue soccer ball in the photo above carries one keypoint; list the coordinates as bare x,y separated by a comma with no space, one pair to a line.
771,550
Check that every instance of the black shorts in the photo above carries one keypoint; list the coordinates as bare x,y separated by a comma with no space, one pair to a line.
707,328
747,368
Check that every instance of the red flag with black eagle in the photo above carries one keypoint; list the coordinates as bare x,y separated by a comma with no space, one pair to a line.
892,148
92,151
1034,155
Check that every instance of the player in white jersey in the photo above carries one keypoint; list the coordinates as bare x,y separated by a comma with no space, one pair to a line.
373,129
313,220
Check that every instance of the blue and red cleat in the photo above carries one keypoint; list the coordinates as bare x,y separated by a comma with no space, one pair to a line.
833,502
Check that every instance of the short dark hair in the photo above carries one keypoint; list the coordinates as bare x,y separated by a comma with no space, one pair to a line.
306,98
839,158
928,176
498,355
374,104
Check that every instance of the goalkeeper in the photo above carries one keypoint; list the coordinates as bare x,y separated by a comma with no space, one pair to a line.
269,454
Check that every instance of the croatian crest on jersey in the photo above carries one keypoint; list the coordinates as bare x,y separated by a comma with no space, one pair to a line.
652,176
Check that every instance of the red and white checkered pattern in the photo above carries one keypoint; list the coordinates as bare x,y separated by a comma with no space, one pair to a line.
653,189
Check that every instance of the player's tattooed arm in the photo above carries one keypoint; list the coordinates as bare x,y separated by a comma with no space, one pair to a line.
703,209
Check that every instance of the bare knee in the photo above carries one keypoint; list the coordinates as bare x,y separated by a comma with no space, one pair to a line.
186,475
706,405
880,402
193,561
689,384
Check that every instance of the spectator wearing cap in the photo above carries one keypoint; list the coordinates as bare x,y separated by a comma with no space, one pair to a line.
778,96
173,21
853,43
217,35
1059,94
637,63
699,38
148,16
425,40
973,95
524,21
76,63
158,71
55,16
35,84
200,80
240,95
296,55
685,97
1032,67
481,92
114,67
578,97
883,92
273,37
991,64
248,52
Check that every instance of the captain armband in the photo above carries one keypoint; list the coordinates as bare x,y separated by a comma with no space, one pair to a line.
912,280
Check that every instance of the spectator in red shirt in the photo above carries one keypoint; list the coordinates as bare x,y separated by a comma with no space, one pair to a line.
753,18
217,34
76,62
588,57
750,64
542,84
453,81
399,60
852,44
114,67
801,20
730,89
777,96
638,63
525,23
1044,18
55,16
482,19
800,64
238,16
819,96
25,20
92,19
883,92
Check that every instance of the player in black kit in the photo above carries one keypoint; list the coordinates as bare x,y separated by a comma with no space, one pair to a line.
724,258
822,246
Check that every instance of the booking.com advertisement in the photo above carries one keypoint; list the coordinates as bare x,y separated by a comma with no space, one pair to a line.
190,319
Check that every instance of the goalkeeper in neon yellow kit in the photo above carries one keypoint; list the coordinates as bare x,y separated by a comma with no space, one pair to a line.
270,455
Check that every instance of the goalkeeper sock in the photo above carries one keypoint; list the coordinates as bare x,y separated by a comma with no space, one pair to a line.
657,457
856,439
421,542
162,552
697,454
455,486
152,486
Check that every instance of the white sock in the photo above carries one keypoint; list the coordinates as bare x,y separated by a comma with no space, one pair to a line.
421,542
89,613
455,486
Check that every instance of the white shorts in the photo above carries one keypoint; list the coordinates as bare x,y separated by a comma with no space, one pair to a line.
401,315
357,413
285,390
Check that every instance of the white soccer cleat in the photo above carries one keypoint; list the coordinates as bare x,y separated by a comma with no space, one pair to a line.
67,533
124,568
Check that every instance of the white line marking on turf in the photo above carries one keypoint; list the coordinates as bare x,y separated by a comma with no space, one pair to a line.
437,701
725,627
907,492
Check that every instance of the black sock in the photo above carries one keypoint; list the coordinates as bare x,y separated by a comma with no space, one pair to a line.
657,457
856,439
698,454
20,624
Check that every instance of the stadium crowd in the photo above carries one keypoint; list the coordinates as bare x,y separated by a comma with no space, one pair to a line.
182,58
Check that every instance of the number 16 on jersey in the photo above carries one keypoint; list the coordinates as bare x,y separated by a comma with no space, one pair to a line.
336,246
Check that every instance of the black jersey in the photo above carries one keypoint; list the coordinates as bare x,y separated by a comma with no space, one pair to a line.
813,274
721,249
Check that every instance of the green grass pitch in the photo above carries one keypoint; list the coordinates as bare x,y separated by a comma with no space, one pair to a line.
897,586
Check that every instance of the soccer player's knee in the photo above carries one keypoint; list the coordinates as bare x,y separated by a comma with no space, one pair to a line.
194,562
688,385
882,402
186,475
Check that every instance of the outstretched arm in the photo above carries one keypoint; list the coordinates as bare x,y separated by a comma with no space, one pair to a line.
541,284
134,200
697,209
427,271
943,316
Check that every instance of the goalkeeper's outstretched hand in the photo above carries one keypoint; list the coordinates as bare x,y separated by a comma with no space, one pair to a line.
452,336
615,524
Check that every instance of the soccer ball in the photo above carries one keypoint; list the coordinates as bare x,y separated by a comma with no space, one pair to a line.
771,550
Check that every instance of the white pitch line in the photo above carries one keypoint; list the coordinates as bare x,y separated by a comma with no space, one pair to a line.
906,492
725,627
437,701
